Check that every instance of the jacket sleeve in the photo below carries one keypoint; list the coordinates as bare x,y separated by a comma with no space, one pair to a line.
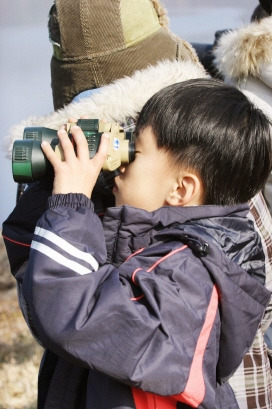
18,231
131,323
19,227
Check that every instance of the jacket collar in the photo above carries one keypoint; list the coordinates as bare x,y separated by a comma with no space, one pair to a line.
128,216
127,229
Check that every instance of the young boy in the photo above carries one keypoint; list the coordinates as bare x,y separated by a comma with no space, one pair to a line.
158,308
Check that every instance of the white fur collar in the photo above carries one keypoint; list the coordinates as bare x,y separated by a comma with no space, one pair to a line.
115,102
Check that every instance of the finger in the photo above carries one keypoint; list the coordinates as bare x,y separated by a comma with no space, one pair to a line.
81,143
70,123
49,153
72,120
66,145
102,153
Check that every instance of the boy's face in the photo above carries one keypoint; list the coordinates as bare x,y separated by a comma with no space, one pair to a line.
146,182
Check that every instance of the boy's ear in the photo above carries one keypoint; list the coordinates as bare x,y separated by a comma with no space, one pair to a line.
186,191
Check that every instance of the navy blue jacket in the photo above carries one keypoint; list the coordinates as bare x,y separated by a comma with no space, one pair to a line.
155,311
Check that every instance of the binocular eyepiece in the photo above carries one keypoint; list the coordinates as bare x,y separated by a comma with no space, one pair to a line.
29,163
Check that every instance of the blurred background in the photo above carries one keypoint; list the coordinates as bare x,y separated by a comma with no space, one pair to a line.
25,91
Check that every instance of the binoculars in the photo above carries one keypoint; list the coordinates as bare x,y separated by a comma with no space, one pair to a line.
29,163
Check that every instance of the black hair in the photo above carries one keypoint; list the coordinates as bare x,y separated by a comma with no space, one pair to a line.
259,13
212,128
267,6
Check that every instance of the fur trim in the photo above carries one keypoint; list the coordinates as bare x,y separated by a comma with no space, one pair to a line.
115,102
240,53
161,13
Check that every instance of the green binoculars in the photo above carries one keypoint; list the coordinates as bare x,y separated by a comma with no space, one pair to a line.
29,163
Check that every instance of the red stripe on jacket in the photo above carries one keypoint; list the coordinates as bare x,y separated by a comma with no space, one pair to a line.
16,242
194,391
171,253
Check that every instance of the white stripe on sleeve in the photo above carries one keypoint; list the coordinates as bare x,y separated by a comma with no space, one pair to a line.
69,248
54,255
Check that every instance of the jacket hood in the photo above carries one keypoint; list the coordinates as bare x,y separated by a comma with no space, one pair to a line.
242,297
97,43
137,229
224,226
117,101
244,57
246,51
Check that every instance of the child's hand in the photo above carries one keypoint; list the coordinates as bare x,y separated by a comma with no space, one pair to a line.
77,173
